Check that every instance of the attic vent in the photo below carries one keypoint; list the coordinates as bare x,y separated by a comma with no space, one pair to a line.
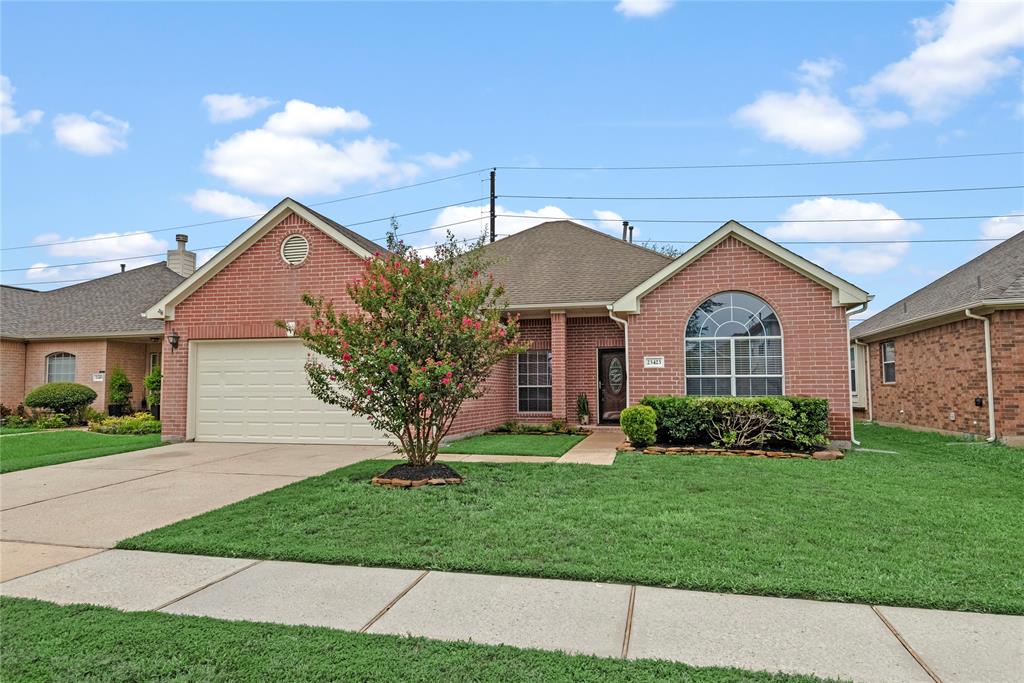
294,249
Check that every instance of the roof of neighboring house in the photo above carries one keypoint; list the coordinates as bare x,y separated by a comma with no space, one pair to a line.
107,306
993,277
562,262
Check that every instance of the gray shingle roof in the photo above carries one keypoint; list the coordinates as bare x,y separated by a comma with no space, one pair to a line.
108,305
562,262
367,244
996,275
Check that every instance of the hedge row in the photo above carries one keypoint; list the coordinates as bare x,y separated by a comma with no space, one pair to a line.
783,422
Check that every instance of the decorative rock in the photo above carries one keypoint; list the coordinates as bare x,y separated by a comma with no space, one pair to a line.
827,455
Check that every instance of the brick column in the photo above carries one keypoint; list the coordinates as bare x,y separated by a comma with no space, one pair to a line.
558,361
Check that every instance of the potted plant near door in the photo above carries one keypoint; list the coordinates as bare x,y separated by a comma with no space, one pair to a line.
152,382
583,409
120,402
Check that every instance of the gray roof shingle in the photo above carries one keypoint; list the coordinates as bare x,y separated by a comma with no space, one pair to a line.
562,262
996,275
110,305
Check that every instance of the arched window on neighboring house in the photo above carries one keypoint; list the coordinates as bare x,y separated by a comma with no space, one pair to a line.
734,348
60,367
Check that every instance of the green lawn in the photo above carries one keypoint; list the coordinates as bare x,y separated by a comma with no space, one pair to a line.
552,445
17,430
51,448
45,642
936,525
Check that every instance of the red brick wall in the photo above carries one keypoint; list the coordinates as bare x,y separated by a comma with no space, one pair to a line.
244,300
941,370
586,336
12,372
816,355
90,357
1008,372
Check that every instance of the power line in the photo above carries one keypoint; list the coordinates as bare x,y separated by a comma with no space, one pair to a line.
761,196
109,260
238,218
718,221
762,165
921,241
414,213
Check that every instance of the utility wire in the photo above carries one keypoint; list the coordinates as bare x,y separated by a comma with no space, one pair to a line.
414,213
238,218
921,241
763,165
718,221
761,196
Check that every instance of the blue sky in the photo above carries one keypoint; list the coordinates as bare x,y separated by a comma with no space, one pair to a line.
109,126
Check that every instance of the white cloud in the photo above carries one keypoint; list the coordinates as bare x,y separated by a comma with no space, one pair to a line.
10,120
812,121
816,73
93,136
857,259
959,53
445,161
223,107
204,255
508,222
224,204
642,8
1003,226
886,119
609,221
305,118
270,163
123,245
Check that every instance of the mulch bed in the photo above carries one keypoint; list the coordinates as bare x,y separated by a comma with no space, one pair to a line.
627,447
406,476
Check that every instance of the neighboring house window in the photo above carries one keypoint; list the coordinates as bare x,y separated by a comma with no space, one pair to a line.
734,348
853,371
60,367
889,362
534,379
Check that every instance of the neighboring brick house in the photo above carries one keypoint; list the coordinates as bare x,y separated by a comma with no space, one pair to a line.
735,314
951,355
82,332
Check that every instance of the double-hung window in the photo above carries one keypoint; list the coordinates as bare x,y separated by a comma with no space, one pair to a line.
889,362
734,348
60,367
534,381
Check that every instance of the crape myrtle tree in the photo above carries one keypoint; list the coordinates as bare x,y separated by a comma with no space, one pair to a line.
424,338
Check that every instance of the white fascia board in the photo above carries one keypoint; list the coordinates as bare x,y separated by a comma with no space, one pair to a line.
164,309
843,292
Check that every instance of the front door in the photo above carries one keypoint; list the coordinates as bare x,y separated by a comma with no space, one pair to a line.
611,384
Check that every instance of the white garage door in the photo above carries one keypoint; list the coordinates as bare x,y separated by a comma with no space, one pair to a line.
256,391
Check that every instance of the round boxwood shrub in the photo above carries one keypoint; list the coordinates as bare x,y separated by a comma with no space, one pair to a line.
639,425
61,397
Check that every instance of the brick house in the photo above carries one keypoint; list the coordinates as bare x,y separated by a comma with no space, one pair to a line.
951,355
82,332
736,314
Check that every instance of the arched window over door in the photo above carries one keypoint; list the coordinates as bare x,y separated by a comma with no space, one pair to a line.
734,347
60,367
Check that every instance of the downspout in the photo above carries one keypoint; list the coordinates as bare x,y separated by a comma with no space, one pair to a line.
849,367
988,373
625,328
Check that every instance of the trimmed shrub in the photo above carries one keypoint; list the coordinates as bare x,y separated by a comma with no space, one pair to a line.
639,425
62,397
16,422
785,422
152,382
120,389
139,423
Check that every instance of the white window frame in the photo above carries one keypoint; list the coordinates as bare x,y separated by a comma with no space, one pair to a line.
732,376
61,354
881,349
549,387
154,360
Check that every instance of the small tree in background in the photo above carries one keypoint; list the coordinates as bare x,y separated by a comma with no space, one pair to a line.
120,396
425,337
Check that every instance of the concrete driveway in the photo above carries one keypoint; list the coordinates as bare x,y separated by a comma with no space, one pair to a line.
51,515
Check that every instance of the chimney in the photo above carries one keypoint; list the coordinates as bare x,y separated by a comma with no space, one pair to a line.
631,234
625,226
180,260
122,267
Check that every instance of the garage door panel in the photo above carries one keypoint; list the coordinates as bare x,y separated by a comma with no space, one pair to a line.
258,391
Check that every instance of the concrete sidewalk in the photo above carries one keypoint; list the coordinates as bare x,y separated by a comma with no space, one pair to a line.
856,642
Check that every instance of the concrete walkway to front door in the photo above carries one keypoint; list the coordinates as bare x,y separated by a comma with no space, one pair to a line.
848,641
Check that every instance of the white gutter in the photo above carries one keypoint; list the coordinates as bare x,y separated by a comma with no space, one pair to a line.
859,308
625,328
988,373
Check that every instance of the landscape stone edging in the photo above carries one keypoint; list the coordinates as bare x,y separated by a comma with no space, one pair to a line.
413,483
626,447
